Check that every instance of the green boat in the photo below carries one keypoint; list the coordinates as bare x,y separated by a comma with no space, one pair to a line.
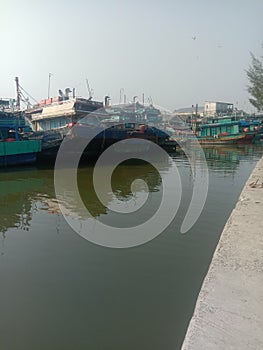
219,131
15,149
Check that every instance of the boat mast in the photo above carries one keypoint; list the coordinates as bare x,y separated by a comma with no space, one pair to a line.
18,94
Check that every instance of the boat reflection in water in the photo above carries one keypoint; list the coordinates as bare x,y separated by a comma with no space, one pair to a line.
17,190
23,193
225,157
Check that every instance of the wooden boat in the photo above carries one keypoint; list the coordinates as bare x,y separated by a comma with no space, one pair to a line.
217,131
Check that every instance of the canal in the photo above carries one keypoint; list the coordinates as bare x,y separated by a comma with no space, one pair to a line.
60,291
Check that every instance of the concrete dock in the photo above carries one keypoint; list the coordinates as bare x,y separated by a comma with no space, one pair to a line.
229,309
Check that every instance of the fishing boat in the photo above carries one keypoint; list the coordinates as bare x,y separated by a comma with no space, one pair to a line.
218,131
15,148
109,132
137,121
53,118
81,119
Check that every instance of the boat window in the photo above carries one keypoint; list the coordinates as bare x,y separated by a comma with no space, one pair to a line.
213,131
130,125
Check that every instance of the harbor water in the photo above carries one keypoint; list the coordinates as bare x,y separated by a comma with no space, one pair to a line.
60,291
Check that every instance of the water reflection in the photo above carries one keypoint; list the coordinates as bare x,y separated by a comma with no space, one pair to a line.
17,190
226,158
23,192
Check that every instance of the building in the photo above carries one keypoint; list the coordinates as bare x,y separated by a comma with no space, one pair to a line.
217,108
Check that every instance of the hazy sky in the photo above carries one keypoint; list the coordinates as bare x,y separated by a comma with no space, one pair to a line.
178,52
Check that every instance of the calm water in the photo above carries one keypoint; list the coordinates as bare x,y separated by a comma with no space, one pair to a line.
59,291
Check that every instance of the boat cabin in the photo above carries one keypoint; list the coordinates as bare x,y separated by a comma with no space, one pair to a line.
60,113
217,126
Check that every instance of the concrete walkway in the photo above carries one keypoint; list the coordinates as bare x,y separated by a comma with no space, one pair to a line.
229,309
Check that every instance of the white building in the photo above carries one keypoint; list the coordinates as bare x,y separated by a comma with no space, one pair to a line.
217,108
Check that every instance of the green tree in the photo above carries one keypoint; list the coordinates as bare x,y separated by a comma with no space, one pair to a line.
255,77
